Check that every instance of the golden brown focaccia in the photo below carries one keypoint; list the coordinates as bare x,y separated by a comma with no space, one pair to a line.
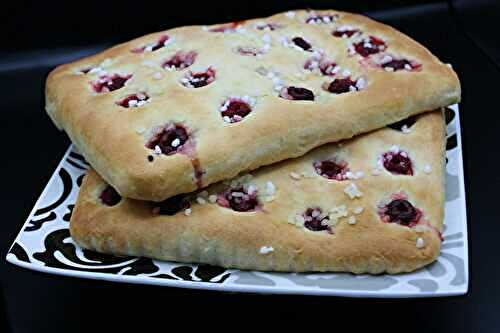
371,204
177,110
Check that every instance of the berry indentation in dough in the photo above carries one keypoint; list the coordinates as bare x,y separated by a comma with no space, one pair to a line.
345,33
180,60
238,199
168,139
302,43
172,206
320,19
401,64
297,94
371,46
332,169
234,110
405,123
341,86
162,41
199,79
402,212
108,83
135,100
314,220
397,163
109,196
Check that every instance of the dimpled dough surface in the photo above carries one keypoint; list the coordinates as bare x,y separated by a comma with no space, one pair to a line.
341,207
177,110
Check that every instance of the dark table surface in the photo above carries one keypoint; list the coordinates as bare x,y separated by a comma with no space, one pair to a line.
459,33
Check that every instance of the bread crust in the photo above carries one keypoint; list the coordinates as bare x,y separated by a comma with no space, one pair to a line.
216,235
113,138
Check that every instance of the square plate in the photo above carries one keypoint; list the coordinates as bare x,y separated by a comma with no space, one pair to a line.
44,244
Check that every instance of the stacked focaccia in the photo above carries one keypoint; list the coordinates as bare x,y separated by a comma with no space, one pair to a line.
180,125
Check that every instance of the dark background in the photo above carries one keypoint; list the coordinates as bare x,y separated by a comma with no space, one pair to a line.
35,37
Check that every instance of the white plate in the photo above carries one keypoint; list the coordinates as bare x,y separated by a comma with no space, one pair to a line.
44,244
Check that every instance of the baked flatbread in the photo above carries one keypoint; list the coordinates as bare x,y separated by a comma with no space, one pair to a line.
177,110
371,204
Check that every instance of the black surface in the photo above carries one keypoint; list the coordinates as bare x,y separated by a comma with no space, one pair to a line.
103,22
32,147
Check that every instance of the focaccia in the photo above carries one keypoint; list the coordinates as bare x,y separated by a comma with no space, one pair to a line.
177,110
371,204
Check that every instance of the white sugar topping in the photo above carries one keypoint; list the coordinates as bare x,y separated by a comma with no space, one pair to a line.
351,220
352,191
290,14
361,83
405,129
295,175
385,59
270,188
201,200
176,142
157,150
212,198
345,28
427,169
336,213
394,149
251,189
187,211
357,210
420,243
266,250
98,70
